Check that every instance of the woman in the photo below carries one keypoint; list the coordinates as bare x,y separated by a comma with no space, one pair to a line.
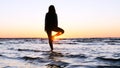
51,24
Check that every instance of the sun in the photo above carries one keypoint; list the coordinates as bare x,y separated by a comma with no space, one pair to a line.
56,36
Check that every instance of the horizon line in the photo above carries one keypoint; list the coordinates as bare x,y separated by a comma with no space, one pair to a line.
46,38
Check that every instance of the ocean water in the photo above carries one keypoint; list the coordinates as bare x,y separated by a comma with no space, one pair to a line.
68,53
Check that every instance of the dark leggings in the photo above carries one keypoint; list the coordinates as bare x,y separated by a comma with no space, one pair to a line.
49,33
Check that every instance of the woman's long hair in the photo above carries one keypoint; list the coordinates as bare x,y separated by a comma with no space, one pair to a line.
52,9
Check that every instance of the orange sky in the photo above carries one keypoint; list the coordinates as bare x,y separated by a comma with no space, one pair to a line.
79,19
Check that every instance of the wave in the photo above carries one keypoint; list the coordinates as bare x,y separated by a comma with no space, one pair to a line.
109,59
29,50
109,41
77,56
57,64
35,59
92,66
30,58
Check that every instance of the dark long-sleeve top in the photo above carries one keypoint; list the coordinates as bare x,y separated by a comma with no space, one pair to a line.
51,21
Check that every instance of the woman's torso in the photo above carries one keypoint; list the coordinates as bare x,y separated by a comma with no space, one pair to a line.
51,21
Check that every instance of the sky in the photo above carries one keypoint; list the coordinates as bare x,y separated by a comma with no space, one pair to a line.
79,18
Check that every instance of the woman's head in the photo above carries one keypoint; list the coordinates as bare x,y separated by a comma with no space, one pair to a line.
52,9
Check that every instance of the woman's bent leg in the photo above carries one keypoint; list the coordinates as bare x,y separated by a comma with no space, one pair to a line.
59,31
49,33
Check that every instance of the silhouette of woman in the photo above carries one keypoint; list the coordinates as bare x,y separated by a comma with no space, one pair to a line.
51,24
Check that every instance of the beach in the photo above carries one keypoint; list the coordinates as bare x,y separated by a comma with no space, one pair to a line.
68,53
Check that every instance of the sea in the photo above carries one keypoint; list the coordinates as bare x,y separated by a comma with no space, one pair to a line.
67,53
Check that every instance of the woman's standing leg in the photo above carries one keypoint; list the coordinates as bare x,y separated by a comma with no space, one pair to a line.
49,33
